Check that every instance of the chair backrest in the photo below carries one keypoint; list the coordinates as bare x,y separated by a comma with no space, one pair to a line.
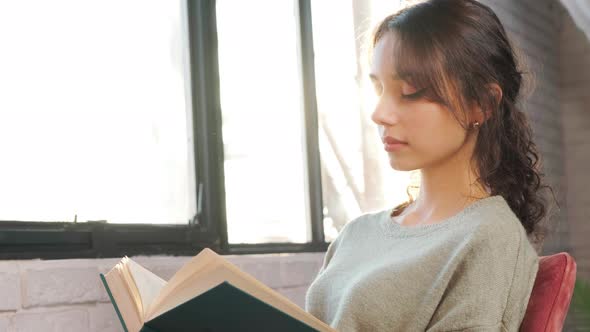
551,295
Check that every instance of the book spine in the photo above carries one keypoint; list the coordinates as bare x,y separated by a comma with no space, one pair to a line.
106,286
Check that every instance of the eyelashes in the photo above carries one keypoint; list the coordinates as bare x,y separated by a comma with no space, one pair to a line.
378,89
415,95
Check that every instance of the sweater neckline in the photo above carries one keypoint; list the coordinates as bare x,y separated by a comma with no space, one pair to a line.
394,229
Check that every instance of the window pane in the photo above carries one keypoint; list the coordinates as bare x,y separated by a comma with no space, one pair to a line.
262,122
93,114
356,176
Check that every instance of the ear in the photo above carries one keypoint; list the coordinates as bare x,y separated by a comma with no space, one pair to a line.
496,91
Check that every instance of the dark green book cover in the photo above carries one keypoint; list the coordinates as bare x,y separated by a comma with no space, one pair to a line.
223,308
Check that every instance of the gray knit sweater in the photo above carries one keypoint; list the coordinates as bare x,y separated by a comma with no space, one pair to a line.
473,271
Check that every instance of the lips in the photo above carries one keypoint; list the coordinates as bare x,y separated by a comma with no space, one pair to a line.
391,140
393,144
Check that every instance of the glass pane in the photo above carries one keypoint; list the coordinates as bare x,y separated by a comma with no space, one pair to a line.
356,176
262,122
93,114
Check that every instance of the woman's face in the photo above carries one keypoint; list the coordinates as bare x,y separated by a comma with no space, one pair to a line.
431,132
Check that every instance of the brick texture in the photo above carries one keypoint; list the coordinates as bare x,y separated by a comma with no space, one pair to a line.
5,321
102,318
63,285
10,298
52,320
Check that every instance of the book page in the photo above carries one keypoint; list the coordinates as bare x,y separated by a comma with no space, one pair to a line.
191,268
147,283
123,299
123,268
206,281
222,270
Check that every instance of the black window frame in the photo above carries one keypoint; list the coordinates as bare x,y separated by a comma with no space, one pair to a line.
96,239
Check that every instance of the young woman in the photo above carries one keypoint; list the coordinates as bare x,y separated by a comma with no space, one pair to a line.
458,257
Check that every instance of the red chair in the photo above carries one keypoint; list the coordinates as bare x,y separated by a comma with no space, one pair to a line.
551,295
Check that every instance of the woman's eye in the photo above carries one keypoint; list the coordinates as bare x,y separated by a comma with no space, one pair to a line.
409,92
414,95
408,89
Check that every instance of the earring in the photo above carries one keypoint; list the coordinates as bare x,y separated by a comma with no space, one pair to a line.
475,125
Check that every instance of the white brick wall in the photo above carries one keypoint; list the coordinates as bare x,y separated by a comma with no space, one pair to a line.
67,295
10,295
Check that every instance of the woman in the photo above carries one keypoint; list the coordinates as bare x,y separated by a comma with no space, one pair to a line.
456,258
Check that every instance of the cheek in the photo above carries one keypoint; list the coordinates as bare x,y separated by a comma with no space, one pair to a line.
436,132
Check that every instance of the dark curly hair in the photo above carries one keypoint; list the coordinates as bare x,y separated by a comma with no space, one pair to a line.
457,48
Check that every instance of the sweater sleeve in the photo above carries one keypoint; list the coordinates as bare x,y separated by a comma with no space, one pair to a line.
476,296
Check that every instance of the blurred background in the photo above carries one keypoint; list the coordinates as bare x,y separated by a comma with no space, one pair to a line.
95,121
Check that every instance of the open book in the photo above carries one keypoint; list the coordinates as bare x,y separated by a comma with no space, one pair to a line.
207,294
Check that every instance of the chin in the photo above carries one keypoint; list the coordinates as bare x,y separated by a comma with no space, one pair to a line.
401,166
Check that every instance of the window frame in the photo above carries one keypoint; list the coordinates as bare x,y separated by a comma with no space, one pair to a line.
96,239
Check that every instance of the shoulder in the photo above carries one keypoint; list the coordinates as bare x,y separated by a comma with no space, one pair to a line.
365,222
363,225
498,232
355,227
368,217
505,253
492,277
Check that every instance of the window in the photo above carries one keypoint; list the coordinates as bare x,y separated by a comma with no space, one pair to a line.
96,116
149,127
263,124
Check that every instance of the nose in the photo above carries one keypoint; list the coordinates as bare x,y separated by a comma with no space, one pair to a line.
384,113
